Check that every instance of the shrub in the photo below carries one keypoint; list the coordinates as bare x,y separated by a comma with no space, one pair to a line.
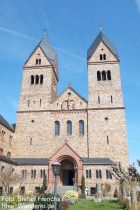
46,201
70,196
83,186
124,203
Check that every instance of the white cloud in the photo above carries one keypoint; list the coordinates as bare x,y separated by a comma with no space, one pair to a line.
138,4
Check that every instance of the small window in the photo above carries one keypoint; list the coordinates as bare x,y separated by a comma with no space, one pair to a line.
104,56
101,57
87,175
37,79
22,190
31,141
81,127
103,75
111,99
107,140
41,79
92,190
97,174
57,128
24,174
98,99
90,175
33,174
109,75
28,103
98,76
69,127
39,60
40,102
100,174
32,79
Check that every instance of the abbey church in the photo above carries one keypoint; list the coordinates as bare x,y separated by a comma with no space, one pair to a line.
85,136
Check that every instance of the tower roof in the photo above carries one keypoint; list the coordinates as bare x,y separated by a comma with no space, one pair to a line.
48,49
102,38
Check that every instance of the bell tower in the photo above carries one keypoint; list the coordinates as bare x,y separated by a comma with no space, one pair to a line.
106,111
40,78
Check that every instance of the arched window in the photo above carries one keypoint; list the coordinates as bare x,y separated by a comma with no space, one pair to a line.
41,79
39,60
57,128
104,56
103,75
32,79
37,79
81,127
69,127
109,75
98,76
101,57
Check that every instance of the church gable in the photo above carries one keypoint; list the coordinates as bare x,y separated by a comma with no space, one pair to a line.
102,50
102,53
69,99
37,58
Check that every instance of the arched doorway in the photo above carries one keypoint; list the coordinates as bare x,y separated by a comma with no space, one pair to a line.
67,172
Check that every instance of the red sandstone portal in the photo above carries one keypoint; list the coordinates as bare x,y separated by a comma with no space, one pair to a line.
71,166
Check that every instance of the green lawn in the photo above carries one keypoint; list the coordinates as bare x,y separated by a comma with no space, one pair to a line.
90,205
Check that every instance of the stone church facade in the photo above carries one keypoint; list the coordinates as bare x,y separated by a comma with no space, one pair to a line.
85,137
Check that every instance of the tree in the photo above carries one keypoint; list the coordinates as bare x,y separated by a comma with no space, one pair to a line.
83,186
44,186
128,180
8,177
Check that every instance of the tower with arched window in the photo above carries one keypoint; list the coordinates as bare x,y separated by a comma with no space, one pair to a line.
106,109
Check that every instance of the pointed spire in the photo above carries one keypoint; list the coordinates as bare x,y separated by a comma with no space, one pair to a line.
102,38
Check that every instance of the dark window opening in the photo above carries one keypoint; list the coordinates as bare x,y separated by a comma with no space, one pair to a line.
37,79
40,102
103,75
107,140
41,79
90,175
81,127
111,99
69,127
101,57
104,56
92,190
22,190
98,76
32,79
109,75
39,60
87,175
98,99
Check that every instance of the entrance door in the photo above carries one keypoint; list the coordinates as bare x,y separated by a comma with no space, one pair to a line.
67,177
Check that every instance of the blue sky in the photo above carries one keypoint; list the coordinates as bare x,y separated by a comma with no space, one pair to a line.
71,27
